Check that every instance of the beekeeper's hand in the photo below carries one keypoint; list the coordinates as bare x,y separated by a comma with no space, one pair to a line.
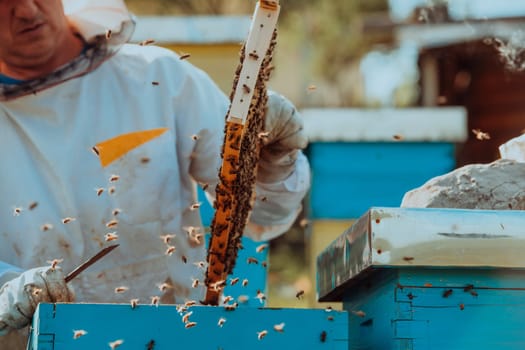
20,296
284,140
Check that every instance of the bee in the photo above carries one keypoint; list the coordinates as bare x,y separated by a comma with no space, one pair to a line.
164,286
194,137
427,285
243,299
227,299
480,135
231,307
245,282
155,83
112,223
221,321
134,303
147,42
264,264
219,285
186,316
279,327
111,236
184,259
155,300
234,281
170,250
121,289
200,264
95,150
473,293
461,306
260,295
251,260
328,309
322,336
36,291
194,283
78,333
108,33
408,258
190,303
304,222
167,238
150,345
253,55
46,227
115,344
195,206
99,191
32,205
112,190
447,293
311,87
468,287
246,88
263,134
114,178
54,263
261,248
190,324
67,220
184,55
144,160
359,313
264,199
397,137
261,334
205,187
299,294
116,211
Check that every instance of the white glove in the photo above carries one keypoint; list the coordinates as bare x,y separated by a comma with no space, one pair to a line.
20,296
285,138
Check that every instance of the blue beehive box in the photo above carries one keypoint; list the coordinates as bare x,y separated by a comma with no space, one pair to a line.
429,279
159,328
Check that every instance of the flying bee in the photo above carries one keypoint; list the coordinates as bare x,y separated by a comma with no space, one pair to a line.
200,264
170,250
194,283
359,313
144,160
121,289
46,227
279,327
95,150
112,223
184,259
260,295
221,322
480,135
194,137
115,344
311,87
99,191
184,55
245,282
112,190
195,206
32,205
397,137
205,186
251,260
54,263
190,324
299,294
155,83
261,247
164,286
108,33
190,303
261,334
111,236
78,333
147,42
227,299
116,211
234,281
114,178
263,134
253,55
167,238
67,220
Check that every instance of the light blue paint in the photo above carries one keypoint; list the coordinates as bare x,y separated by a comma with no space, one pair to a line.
349,178
53,327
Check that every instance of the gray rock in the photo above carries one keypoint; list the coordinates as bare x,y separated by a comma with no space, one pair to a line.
497,185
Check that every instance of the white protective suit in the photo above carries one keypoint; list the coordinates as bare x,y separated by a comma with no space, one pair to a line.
177,114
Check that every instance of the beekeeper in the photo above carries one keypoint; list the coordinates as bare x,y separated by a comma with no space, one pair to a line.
104,141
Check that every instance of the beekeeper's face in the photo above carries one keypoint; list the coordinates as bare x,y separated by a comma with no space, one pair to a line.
31,31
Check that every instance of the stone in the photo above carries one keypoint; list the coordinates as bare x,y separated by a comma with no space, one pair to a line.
514,149
497,185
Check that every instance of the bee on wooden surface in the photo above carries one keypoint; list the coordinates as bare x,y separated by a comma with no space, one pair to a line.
54,263
147,42
115,344
480,135
299,294
262,334
121,289
46,227
68,220
134,303
108,33
99,191
32,205
186,317
112,223
114,178
221,322
111,236
78,333
233,281
245,282
447,293
279,327
190,324
359,313
252,260
170,250
167,238
184,55
155,300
